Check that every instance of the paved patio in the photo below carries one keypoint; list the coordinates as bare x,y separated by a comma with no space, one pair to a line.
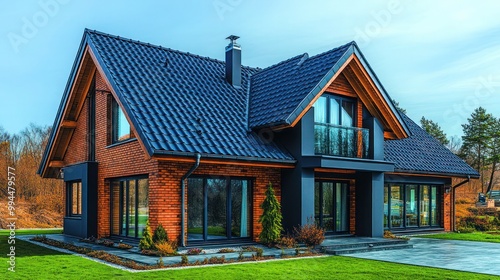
478,257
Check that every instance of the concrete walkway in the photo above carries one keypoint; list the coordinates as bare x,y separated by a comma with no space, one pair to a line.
478,257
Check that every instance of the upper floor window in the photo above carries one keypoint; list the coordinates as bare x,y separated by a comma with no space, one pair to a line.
335,131
334,110
120,127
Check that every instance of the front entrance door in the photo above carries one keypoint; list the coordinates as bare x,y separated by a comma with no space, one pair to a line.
331,207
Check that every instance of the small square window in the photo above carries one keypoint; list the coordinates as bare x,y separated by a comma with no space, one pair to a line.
120,127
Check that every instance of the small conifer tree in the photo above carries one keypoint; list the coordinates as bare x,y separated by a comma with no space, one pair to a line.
160,235
271,218
146,242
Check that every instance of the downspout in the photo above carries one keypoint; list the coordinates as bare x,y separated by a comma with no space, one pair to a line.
183,196
453,217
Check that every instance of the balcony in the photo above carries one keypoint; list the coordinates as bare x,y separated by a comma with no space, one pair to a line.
341,141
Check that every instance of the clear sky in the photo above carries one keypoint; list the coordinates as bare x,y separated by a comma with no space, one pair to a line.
438,59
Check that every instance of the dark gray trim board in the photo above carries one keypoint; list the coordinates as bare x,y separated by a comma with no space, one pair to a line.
347,163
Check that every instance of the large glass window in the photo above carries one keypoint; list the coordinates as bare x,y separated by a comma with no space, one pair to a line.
411,205
218,208
74,198
334,130
129,206
120,127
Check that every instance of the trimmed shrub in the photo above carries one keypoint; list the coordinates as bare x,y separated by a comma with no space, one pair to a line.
194,251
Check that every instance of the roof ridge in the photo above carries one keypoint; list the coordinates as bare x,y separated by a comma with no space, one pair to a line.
282,62
160,47
333,50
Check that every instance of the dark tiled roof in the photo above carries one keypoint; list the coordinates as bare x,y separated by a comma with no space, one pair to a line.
422,153
280,92
180,102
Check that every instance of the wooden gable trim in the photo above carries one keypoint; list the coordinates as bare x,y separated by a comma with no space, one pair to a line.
372,98
71,110
311,103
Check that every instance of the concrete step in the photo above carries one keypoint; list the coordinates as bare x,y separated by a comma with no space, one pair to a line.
346,251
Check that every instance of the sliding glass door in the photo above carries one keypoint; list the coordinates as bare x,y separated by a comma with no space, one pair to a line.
412,206
129,206
331,206
218,208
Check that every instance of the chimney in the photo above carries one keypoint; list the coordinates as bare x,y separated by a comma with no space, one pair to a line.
233,62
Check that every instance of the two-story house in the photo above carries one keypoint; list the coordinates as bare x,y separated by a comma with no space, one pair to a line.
146,132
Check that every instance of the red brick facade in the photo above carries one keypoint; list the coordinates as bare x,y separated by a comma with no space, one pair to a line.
128,159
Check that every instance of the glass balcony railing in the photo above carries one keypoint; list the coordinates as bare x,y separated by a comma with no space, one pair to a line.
341,141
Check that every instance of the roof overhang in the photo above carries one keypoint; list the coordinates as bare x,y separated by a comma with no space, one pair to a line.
86,64
367,86
222,159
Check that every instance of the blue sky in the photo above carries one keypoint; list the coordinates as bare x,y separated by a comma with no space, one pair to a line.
438,60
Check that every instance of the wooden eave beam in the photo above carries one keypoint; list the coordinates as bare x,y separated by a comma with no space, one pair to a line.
68,124
56,164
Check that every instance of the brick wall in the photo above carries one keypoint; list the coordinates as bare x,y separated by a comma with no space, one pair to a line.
165,198
129,159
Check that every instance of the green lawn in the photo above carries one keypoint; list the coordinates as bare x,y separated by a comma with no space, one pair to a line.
35,262
474,236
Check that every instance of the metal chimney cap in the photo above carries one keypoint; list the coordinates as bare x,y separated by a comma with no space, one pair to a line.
233,38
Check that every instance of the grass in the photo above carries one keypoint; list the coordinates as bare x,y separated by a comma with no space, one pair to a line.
35,262
493,236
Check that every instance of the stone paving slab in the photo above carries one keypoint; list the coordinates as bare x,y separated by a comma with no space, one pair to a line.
470,256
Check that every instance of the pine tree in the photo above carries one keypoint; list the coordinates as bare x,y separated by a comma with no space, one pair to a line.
434,130
481,146
146,242
270,218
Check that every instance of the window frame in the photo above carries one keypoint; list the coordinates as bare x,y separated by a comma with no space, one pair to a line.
123,189
419,187
340,102
70,190
115,112
229,212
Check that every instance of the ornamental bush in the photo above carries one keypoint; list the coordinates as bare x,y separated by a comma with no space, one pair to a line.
270,218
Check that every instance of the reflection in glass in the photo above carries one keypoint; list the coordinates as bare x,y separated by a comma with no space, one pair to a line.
424,205
195,209
411,206
396,207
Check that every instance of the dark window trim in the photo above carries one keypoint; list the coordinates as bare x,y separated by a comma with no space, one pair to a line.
439,201
113,111
69,199
341,98
123,186
228,206
348,202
